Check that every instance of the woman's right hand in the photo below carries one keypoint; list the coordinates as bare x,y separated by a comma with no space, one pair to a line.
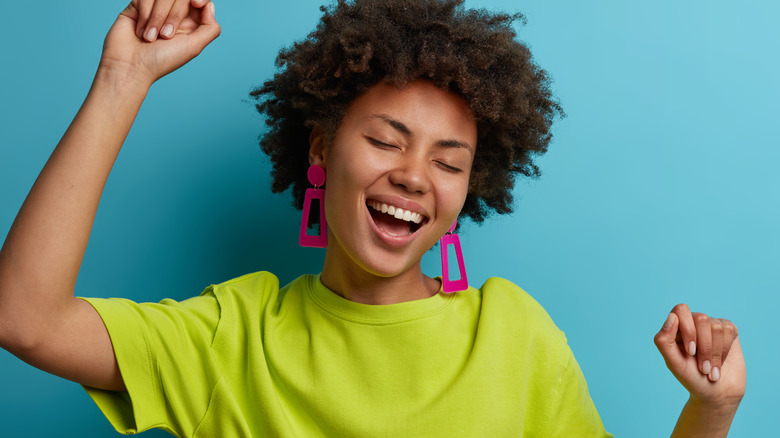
187,27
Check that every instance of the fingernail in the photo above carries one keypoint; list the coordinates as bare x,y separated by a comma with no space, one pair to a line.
706,367
715,376
692,348
167,30
668,323
213,9
151,34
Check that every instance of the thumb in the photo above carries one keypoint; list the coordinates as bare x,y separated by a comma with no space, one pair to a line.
666,342
207,31
130,11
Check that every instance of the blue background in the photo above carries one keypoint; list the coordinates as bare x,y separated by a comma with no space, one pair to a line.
660,187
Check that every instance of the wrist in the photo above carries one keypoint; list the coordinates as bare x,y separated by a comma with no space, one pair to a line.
117,94
705,419
122,77
715,409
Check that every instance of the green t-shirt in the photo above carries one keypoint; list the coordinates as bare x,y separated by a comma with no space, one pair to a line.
246,358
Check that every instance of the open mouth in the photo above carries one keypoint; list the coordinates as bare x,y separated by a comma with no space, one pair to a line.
393,220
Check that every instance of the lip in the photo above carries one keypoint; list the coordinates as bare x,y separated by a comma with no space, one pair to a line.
389,239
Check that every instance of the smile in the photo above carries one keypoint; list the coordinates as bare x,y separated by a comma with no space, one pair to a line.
395,220
396,212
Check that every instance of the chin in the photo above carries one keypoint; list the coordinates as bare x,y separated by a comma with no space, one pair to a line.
389,264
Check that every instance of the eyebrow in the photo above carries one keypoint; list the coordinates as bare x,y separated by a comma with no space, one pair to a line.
403,129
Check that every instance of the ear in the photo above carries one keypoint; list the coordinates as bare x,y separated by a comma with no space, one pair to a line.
317,149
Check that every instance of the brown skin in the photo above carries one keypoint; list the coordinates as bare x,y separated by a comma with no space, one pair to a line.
704,354
42,323
40,320
412,148
471,53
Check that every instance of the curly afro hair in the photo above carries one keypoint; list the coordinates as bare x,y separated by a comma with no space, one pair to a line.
472,53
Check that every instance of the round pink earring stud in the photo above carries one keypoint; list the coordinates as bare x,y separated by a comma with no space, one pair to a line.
316,175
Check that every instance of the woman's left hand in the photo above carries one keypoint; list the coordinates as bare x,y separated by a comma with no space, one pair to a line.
704,354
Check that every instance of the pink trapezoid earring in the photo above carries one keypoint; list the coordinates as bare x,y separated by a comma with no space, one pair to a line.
316,175
447,284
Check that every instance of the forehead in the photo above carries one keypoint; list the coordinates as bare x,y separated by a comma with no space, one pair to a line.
421,106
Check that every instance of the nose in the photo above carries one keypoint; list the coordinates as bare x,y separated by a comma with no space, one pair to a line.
411,173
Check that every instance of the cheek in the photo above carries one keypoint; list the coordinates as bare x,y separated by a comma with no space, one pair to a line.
346,178
360,168
454,194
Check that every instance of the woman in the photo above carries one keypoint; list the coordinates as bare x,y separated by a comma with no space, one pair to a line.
371,346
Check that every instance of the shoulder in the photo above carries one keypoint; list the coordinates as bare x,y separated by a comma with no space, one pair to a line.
516,312
256,295
529,341
503,287
261,279
256,287
507,297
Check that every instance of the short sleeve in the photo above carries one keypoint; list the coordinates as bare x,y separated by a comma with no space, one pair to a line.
164,355
576,413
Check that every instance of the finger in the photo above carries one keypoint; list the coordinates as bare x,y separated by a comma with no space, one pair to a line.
208,30
687,328
703,342
131,12
199,3
160,12
178,12
729,337
144,8
666,342
717,348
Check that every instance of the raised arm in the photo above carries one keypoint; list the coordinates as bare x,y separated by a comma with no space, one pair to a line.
704,354
40,320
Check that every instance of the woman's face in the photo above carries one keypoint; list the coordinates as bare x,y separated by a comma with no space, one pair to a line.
409,150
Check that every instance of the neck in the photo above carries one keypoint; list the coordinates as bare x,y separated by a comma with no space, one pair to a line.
356,284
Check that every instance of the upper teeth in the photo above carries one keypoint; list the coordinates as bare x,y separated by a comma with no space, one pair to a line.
398,213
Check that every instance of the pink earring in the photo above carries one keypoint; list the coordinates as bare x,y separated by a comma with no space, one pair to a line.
447,284
316,175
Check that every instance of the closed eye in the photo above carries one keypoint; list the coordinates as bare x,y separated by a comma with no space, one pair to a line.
381,144
448,167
